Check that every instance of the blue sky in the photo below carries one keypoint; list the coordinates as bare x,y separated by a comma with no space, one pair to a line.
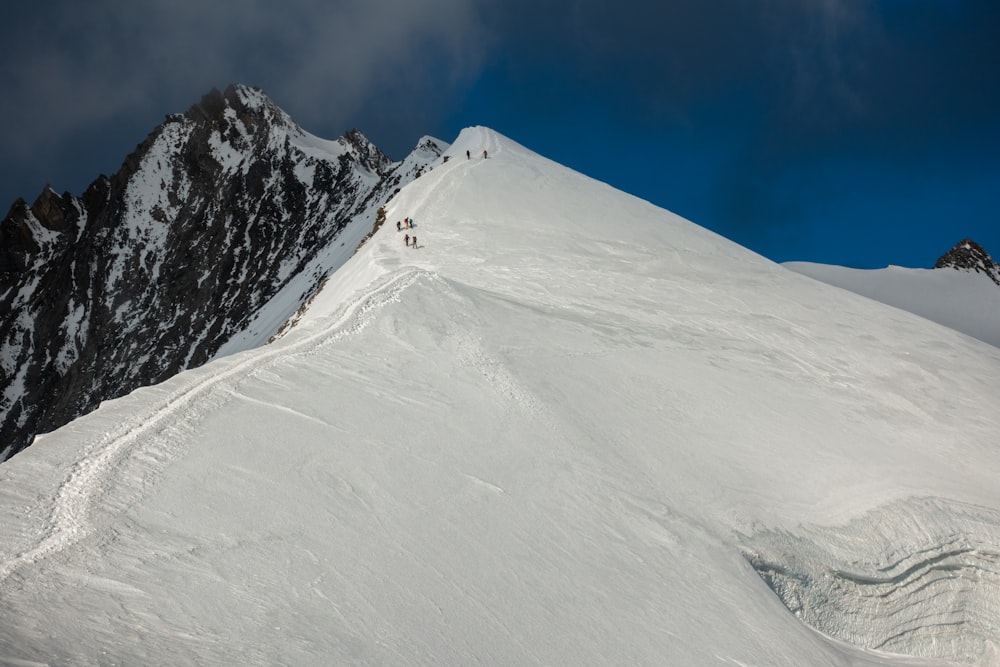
851,132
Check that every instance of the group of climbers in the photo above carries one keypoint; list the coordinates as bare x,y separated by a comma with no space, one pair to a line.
407,223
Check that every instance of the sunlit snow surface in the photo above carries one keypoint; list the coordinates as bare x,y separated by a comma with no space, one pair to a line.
964,300
569,428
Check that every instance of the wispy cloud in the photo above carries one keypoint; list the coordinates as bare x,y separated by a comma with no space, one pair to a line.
818,49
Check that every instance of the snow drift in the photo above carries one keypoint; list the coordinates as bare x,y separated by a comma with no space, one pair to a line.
568,428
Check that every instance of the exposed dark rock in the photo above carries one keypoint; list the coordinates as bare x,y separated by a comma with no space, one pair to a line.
155,268
967,255
17,243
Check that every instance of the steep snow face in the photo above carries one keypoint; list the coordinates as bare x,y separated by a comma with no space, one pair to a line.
962,300
567,428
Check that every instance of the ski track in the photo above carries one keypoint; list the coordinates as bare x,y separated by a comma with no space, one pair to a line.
93,475
471,352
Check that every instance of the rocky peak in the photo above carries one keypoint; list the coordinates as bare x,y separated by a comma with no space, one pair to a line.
250,105
17,243
241,120
178,256
366,153
967,255
53,210
430,145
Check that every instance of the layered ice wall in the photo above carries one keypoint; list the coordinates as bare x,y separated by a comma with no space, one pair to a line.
919,577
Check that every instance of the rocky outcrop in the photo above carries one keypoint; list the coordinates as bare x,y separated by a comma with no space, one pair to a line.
967,255
154,269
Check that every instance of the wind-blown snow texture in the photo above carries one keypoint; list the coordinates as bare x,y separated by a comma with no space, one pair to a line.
569,428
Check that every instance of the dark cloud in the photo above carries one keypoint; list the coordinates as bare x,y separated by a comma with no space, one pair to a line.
310,50
73,68
775,91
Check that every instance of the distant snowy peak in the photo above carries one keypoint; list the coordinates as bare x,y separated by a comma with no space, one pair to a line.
430,148
365,152
422,159
968,255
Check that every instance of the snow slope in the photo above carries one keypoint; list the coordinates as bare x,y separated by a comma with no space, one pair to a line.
569,428
963,300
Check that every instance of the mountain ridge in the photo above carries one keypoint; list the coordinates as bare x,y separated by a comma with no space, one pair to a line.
569,428
215,212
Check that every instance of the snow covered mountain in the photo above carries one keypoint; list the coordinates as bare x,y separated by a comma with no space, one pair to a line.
961,292
569,428
214,232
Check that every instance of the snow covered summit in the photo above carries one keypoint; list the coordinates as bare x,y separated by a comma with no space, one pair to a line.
555,432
